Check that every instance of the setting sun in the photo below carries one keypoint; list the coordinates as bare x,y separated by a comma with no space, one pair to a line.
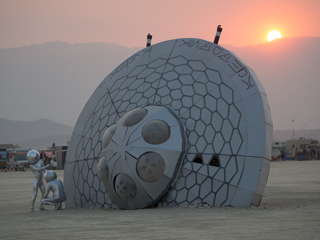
273,35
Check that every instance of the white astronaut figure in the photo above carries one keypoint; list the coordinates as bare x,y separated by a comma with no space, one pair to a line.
53,162
56,187
37,169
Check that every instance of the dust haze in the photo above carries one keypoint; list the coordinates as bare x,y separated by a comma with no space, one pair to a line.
55,80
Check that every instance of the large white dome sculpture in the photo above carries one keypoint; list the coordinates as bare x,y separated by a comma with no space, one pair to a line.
182,122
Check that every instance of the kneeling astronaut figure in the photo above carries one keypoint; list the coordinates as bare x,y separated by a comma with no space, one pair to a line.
56,187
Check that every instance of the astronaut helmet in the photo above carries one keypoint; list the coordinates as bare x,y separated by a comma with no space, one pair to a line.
33,156
50,176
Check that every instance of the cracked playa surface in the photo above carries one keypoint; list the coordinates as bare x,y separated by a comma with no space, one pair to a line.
290,209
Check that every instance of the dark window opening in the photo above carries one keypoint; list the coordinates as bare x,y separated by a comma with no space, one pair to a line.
198,159
214,161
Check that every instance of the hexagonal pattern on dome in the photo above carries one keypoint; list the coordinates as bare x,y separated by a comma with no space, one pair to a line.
220,102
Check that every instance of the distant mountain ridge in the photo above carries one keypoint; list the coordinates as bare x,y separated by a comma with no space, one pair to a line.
34,134
54,80
42,133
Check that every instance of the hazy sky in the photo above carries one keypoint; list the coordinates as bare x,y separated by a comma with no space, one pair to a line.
127,22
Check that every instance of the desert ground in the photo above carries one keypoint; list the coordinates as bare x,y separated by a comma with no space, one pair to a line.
290,209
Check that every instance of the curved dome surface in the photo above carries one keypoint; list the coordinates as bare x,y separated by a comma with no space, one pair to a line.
219,100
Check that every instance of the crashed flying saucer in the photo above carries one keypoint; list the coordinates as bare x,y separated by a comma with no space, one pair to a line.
182,122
